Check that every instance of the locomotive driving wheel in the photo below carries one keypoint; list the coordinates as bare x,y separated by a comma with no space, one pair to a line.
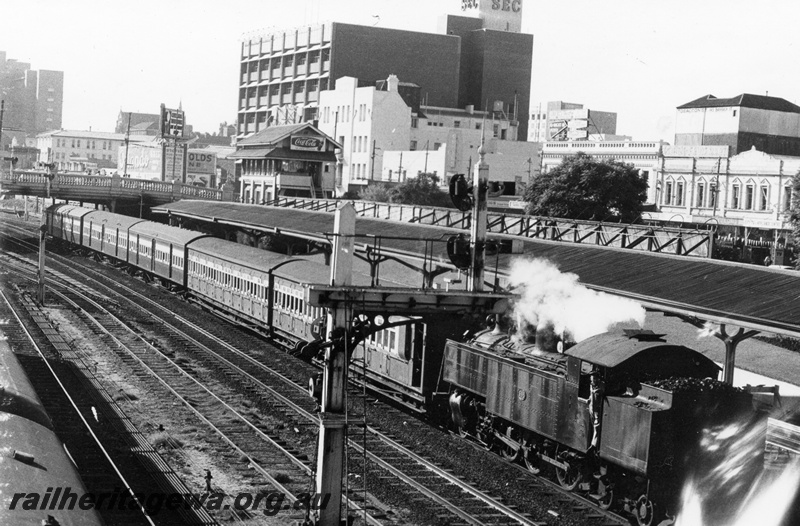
530,454
507,451
645,511
572,476
463,432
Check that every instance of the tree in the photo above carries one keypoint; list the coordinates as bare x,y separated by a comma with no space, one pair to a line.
421,190
584,188
376,192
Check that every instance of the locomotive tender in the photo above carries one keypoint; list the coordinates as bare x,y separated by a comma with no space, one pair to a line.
530,401
33,461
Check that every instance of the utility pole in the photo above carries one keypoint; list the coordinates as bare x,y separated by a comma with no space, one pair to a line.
2,111
333,420
372,168
127,141
42,237
400,169
716,186
530,164
426,155
51,172
174,153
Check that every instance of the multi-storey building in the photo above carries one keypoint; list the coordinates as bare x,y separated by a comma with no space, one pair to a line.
746,196
78,150
366,121
387,136
33,99
566,121
475,61
770,124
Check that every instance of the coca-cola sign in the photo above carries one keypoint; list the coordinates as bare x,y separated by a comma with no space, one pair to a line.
304,142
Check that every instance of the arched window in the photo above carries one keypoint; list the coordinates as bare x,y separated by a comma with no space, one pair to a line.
763,195
700,194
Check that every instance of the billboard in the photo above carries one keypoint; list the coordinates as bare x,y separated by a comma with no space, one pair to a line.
174,161
144,160
201,168
171,122
558,130
202,162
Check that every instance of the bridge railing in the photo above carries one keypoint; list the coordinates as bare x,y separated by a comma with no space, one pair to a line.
116,186
647,238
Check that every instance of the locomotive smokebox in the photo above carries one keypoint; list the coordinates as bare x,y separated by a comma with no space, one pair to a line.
547,339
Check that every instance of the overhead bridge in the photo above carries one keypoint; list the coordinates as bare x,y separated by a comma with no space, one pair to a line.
114,192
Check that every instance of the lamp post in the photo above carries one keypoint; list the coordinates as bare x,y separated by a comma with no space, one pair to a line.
714,191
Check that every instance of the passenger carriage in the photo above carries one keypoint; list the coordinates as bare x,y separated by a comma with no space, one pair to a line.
238,279
161,250
65,222
107,233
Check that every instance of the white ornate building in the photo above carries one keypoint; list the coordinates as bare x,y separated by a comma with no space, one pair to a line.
746,196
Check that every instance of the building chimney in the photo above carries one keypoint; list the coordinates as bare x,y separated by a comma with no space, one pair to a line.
392,82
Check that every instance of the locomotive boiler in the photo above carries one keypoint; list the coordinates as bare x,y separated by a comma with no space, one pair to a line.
618,415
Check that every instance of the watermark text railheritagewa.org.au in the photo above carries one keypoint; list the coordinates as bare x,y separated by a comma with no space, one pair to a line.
120,499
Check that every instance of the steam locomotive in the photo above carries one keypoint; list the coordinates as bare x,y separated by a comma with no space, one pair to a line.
618,415
32,458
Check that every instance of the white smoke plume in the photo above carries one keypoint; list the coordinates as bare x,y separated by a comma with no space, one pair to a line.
551,297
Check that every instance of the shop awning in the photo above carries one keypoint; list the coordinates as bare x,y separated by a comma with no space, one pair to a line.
253,153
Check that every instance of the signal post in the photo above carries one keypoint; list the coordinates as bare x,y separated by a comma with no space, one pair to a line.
344,303
333,431
478,223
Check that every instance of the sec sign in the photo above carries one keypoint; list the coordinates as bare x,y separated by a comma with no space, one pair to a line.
201,162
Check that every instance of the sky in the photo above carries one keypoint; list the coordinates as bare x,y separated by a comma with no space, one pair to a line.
638,58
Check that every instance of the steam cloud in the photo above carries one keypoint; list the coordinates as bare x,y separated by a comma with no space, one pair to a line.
551,297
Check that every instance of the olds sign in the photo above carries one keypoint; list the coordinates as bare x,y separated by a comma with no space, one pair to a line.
307,143
202,162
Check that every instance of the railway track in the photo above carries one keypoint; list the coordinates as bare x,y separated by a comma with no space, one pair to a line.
283,384
98,450
446,490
